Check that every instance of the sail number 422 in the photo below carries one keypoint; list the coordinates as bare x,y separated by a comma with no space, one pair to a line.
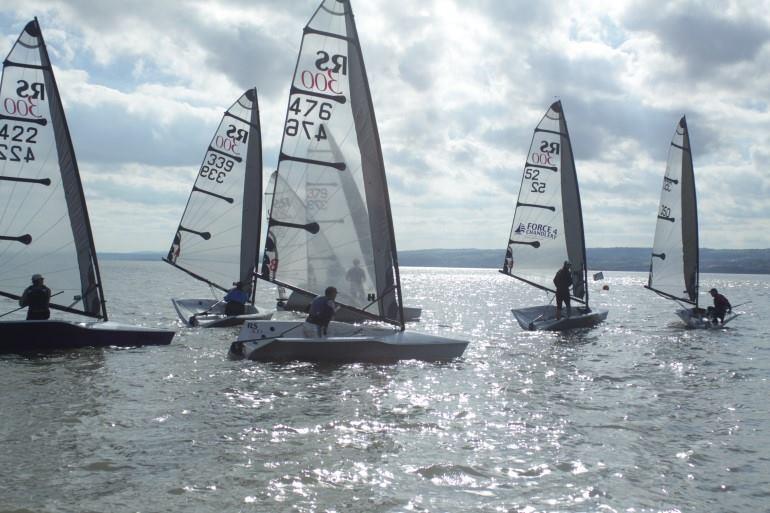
18,134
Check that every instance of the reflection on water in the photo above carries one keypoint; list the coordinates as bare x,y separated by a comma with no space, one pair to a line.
633,415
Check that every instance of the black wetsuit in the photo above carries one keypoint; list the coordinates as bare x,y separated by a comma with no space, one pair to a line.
36,298
563,281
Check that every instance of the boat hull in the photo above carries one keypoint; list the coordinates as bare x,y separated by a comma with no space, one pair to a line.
37,336
300,303
282,341
215,316
699,320
543,318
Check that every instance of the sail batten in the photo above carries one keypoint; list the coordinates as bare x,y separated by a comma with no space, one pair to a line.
547,224
222,218
330,168
39,151
674,262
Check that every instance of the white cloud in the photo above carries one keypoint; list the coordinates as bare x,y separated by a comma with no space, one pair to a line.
457,89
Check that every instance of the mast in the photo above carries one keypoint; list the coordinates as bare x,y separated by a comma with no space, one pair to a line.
87,256
576,211
381,168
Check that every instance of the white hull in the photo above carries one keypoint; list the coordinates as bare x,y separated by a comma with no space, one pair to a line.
300,303
543,318
190,313
700,320
344,343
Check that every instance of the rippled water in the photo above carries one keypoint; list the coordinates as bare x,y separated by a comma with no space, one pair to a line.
634,415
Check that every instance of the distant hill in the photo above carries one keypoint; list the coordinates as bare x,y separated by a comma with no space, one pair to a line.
732,261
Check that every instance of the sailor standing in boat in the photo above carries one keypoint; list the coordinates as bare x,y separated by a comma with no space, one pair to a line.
720,308
322,311
235,300
563,281
356,276
37,297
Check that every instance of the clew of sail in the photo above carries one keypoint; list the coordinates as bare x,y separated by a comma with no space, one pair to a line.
548,223
674,261
330,218
44,225
217,240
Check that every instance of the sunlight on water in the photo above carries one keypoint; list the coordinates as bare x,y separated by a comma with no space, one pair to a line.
636,414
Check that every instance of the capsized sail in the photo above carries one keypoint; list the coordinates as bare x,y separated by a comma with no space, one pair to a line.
44,225
330,219
548,222
674,261
217,240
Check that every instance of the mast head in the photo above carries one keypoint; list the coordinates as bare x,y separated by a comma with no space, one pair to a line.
32,28
683,122
556,106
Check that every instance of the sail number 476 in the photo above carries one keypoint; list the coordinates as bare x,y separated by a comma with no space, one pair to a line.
309,128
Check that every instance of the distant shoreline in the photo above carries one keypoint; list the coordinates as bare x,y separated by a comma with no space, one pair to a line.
729,261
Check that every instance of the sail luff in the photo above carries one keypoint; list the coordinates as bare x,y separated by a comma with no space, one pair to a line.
90,277
573,212
251,223
376,187
689,219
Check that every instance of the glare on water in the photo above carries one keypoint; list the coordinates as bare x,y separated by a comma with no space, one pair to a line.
636,414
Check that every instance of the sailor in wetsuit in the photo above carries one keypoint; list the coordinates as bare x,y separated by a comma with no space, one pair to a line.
322,311
235,300
720,308
37,297
563,281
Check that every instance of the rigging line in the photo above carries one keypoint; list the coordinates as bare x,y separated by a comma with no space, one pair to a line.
24,200
41,237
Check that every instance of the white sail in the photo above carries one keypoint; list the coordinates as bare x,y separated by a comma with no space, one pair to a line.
548,223
44,226
217,240
330,208
674,262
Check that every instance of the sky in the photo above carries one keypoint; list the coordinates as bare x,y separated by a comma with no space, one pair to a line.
457,88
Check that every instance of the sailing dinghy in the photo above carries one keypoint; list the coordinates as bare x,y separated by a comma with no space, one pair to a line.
548,228
44,225
674,264
218,236
317,232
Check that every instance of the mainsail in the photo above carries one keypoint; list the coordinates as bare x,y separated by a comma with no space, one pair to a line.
330,222
44,225
217,240
548,221
674,262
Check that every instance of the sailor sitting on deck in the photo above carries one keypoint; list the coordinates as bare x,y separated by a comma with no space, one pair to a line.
37,297
322,311
235,300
